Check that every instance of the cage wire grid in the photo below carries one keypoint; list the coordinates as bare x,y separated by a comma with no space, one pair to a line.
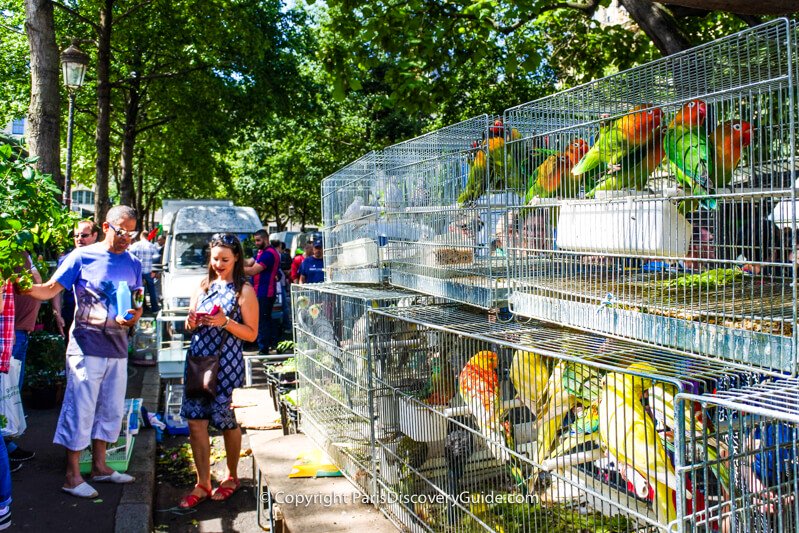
634,250
451,189
335,394
461,334
351,211
756,424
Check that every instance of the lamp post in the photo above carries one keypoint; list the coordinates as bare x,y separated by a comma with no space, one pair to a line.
73,65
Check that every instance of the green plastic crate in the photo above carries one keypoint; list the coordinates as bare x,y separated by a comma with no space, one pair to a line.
118,459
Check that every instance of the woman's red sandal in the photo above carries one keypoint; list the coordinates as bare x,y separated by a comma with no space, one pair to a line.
226,492
190,500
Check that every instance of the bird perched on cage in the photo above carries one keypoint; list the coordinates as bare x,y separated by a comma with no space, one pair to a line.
479,389
629,433
486,162
529,375
634,170
662,403
705,164
412,454
621,138
353,210
442,381
550,419
553,177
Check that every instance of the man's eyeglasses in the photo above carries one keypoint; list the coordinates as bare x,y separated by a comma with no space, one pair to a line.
122,232
83,235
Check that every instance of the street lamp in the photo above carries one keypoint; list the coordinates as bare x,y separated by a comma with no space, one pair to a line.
73,65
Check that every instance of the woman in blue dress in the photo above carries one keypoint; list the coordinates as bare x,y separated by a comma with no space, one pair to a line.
223,332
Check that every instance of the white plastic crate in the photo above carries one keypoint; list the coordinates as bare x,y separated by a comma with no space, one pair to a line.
630,225
358,253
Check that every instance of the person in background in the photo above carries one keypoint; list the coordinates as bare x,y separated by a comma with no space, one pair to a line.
312,269
6,347
222,333
263,270
285,258
297,262
97,370
26,309
86,233
148,253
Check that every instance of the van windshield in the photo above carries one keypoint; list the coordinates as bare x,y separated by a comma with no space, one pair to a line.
191,249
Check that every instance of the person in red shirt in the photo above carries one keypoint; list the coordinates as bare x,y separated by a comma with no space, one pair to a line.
26,309
297,261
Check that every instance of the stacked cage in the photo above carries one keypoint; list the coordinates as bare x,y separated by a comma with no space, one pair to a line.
446,193
522,427
661,208
352,216
751,485
331,327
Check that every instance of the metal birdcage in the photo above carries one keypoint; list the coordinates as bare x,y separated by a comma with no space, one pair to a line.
753,484
331,329
500,425
446,194
676,227
351,214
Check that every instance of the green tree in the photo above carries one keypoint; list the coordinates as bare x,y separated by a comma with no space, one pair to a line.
495,43
31,214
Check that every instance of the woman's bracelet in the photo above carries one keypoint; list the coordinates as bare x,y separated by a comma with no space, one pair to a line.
227,321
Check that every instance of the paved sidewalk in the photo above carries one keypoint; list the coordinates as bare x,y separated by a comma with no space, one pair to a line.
40,505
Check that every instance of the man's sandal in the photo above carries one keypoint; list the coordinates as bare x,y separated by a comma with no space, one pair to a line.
226,492
190,500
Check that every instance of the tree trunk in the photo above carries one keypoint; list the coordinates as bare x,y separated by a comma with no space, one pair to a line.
140,207
127,193
102,139
658,25
44,114
743,7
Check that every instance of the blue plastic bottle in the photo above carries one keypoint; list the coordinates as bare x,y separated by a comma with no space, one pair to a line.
123,299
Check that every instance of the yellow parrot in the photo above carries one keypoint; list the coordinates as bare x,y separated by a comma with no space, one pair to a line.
559,402
627,431
529,375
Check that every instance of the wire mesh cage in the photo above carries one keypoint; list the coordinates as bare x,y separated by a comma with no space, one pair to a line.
660,204
741,457
351,215
448,190
509,426
333,364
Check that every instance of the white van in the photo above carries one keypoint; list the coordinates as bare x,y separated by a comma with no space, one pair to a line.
185,260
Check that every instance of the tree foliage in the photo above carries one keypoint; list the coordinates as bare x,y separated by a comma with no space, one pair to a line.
31,214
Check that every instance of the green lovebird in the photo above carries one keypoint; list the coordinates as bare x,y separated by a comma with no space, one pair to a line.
634,169
624,136
685,144
703,163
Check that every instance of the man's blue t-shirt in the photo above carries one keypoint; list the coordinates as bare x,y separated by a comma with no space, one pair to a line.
313,270
95,274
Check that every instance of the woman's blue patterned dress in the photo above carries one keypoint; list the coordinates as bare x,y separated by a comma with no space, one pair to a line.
206,340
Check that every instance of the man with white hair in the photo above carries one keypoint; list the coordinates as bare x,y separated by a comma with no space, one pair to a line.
97,371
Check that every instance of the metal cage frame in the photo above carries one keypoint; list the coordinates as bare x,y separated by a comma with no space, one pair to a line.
334,367
758,424
449,327
662,261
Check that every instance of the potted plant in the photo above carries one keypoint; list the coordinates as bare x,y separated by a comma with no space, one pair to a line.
45,373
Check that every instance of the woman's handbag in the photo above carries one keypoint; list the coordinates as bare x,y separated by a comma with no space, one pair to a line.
201,375
202,371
